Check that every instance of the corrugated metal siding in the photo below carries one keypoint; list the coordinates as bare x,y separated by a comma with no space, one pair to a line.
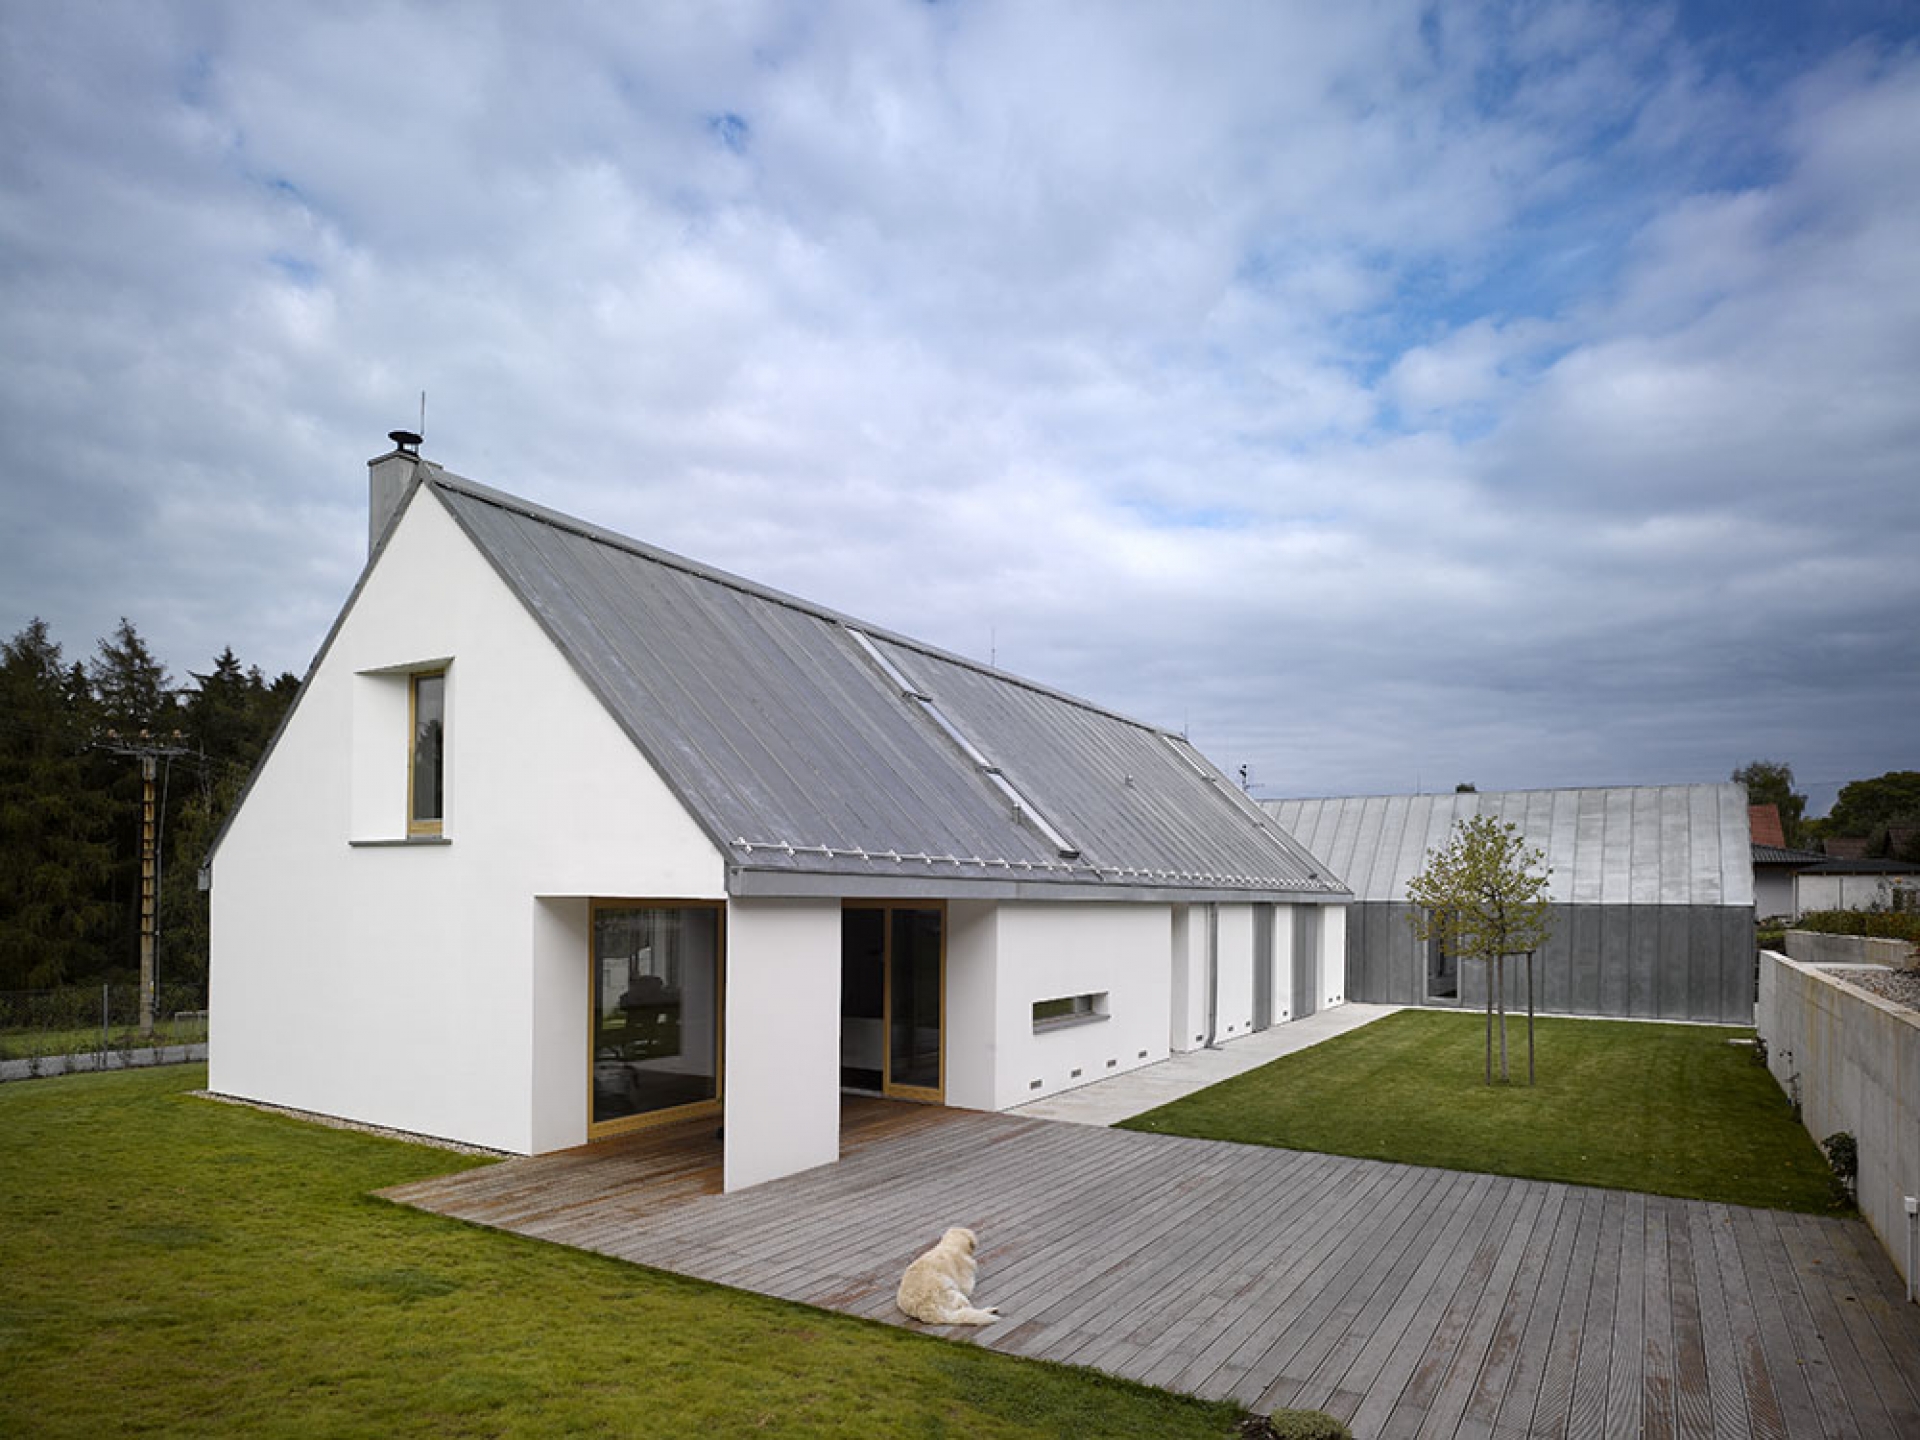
797,753
1640,845
1652,889
1651,962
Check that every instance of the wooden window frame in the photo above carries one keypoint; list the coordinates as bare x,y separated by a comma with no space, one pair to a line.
935,1095
699,1109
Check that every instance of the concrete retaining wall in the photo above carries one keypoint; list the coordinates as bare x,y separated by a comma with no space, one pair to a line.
1813,949
1854,1060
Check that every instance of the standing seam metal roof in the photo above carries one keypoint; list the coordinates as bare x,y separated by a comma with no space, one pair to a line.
798,754
1624,845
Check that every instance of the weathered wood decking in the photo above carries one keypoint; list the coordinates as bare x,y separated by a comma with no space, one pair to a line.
1407,1301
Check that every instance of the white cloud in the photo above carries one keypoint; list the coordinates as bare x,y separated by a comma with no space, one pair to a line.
1379,392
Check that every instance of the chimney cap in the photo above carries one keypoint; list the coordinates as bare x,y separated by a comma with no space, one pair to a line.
406,440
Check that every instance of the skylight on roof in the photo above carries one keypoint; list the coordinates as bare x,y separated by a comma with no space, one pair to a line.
1023,808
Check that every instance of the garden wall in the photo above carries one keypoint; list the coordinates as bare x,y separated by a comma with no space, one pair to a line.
1853,1061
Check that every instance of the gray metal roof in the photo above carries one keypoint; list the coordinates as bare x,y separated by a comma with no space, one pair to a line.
806,752
1626,845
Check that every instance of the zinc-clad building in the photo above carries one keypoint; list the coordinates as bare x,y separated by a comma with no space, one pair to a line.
1651,890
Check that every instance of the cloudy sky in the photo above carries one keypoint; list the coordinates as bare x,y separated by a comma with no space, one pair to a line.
1388,394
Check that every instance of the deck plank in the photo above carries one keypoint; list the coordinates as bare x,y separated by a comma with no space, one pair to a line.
1402,1299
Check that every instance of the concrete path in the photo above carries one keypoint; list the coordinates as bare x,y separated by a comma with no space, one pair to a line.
46,1066
1108,1102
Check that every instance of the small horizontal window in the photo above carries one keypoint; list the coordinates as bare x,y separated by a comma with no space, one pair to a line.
1069,1010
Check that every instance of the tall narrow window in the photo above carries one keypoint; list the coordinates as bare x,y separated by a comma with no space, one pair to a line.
426,769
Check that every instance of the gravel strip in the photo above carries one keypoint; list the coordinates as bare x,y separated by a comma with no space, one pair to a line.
334,1122
1902,987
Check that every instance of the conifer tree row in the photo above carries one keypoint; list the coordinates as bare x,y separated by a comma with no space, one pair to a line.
70,806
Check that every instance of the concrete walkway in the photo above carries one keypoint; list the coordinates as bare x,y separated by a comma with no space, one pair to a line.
45,1066
1108,1102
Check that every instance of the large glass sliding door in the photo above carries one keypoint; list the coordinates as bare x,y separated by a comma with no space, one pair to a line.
913,1003
892,1000
656,1013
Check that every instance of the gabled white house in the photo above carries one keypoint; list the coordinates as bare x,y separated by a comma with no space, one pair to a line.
565,836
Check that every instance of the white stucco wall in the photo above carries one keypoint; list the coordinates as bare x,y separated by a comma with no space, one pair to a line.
1053,951
782,1038
1848,892
973,989
1187,1016
1283,1006
1233,1003
404,984
1333,955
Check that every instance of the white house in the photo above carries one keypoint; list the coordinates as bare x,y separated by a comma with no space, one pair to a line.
565,836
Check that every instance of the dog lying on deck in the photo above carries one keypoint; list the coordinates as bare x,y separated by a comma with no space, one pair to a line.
938,1287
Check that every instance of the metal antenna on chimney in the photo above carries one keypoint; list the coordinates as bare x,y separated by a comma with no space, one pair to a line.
423,414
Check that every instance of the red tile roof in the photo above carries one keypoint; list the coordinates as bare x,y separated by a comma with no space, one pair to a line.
1764,821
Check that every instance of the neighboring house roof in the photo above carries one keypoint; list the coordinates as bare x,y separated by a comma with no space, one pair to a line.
1623,845
1846,847
826,756
1783,855
1863,866
1767,830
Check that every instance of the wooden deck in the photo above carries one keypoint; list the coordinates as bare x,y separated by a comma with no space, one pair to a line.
1407,1301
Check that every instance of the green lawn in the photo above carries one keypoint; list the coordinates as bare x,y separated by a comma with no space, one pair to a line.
1668,1109
169,1265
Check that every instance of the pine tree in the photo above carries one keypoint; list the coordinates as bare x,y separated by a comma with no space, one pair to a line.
229,718
56,825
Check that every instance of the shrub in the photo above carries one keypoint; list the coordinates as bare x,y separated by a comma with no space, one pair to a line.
1843,1154
1874,924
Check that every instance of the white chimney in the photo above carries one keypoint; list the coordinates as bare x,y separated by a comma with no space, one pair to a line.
388,477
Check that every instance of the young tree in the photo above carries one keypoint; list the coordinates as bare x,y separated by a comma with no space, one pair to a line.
1483,895
1770,782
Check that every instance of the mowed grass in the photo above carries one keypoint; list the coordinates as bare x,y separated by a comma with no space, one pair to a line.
1667,1109
174,1266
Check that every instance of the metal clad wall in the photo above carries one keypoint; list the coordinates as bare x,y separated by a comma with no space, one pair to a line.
1705,878
1673,983
1643,864
1654,962
1643,983
1652,889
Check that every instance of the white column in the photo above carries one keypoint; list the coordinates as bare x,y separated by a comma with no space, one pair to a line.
1333,955
782,1039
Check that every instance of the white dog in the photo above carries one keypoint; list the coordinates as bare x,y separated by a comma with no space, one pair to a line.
938,1287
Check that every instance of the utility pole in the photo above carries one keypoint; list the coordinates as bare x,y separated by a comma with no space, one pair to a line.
148,752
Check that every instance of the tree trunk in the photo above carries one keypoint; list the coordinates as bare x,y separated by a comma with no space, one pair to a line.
1529,1017
1489,1022
1500,984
